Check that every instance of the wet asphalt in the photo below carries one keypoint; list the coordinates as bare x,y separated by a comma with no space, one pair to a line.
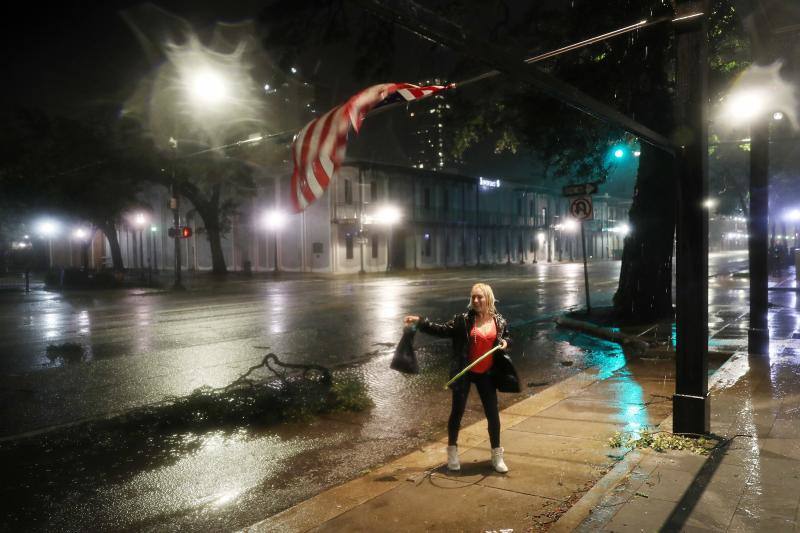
141,347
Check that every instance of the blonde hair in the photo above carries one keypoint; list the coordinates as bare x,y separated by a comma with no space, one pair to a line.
487,293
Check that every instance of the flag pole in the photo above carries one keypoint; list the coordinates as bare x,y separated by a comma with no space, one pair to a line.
469,366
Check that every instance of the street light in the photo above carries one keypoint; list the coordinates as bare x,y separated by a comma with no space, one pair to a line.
81,235
48,228
274,220
387,215
139,221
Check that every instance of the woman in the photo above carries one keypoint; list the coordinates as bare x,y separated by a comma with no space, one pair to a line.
474,333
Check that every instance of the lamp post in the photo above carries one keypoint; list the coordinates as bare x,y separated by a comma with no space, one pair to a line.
81,235
153,257
140,220
274,220
387,215
48,229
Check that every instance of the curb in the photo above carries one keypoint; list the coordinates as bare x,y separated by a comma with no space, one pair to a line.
413,467
604,333
583,508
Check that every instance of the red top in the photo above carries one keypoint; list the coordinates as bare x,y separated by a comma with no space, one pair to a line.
481,343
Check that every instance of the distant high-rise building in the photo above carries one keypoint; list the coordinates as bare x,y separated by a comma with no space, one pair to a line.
430,146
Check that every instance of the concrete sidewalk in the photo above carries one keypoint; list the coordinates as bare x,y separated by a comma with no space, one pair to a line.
556,446
565,477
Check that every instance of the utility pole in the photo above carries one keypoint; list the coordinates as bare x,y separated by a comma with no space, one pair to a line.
174,204
690,402
757,229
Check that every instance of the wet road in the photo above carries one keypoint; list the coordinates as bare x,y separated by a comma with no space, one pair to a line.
141,347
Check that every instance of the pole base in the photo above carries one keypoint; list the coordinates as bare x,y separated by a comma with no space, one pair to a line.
758,341
691,414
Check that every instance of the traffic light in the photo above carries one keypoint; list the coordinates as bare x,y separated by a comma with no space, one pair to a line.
183,232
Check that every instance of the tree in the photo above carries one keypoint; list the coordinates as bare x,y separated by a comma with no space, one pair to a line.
634,73
215,184
88,169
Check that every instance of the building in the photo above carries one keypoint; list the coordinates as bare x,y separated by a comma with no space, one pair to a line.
446,220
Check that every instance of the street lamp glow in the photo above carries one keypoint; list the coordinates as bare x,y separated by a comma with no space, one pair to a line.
777,115
571,225
274,219
80,233
622,229
208,87
744,106
47,228
793,215
387,215
709,203
540,236
618,153
637,153
139,219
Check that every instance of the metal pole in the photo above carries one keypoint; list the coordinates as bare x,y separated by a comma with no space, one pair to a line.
691,406
141,251
175,205
758,334
585,269
275,250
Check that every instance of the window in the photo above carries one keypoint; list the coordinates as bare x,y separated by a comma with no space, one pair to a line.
446,201
532,208
374,246
348,243
426,246
348,192
373,190
426,198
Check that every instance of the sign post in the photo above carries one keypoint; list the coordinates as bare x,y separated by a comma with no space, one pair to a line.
581,208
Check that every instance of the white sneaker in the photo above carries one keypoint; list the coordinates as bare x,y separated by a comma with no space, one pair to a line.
497,460
452,458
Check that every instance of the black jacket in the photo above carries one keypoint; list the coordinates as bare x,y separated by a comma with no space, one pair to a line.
458,328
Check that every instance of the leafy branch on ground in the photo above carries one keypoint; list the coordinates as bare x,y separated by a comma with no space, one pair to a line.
662,441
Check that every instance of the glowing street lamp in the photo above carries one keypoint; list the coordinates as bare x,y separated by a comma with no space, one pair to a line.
207,87
274,220
744,106
571,225
140,221
48,229
387,215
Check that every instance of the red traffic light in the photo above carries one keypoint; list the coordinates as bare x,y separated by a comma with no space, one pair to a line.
186,232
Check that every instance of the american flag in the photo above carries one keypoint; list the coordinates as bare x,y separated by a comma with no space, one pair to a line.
319,147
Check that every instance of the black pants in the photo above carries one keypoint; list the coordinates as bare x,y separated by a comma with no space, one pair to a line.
488,394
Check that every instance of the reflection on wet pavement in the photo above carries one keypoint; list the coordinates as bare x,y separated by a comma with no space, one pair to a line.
141,348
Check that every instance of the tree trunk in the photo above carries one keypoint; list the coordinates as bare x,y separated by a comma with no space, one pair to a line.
109,229
645,280
217,256
209,212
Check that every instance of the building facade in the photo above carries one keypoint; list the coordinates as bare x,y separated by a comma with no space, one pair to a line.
446,220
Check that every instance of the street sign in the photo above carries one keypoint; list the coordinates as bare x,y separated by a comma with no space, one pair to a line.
579,189
581,208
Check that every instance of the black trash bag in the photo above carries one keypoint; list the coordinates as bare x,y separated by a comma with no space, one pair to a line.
405,360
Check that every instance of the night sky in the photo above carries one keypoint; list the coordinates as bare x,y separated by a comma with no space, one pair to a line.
70,55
